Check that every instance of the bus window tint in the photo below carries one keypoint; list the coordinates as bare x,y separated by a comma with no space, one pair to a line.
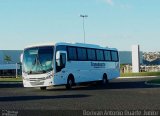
81,52
91,54
114,56
72,53
107,55
100,56
61,48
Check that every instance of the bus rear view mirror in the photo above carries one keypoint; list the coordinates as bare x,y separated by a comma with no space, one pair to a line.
58,58
21,58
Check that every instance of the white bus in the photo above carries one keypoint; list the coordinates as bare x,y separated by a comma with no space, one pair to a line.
68,64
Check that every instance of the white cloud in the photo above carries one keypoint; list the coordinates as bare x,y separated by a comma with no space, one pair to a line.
120,5
110,2
125,6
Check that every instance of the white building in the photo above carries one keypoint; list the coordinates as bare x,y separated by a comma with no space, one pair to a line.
135,59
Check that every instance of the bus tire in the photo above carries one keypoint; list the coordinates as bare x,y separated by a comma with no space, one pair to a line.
43,88
105,80
70,82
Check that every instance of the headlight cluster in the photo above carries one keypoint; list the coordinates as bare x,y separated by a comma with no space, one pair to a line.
24,78
49,77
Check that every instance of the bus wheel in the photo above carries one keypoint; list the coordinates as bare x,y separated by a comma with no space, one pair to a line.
70,83
104,80
43,88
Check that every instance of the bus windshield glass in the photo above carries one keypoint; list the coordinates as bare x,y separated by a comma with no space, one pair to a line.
38,60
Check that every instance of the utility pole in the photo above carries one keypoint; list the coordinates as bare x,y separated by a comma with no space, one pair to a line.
84,16
16,70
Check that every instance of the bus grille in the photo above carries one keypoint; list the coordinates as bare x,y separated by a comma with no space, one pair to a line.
37,81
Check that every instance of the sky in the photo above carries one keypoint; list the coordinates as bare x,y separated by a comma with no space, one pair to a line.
113,23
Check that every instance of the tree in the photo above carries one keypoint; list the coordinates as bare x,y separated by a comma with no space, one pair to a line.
7,58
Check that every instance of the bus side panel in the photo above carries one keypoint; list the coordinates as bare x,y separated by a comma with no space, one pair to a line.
115,71
78,70
72,67
59,79
84,72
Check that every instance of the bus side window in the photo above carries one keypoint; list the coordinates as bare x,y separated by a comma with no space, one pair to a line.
114,55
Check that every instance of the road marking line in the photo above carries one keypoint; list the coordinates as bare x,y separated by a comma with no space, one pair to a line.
137,77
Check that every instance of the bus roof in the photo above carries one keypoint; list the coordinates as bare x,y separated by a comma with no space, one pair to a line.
85,45
70,44
40,44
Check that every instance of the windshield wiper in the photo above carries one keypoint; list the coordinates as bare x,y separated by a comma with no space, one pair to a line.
35,61
29,72
43,71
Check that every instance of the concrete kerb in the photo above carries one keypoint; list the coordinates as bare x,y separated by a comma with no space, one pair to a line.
151,83
146,82
137,77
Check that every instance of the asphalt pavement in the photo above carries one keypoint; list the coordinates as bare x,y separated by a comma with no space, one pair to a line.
119,94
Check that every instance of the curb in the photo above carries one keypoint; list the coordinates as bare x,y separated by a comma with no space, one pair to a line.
138,77
11,82
150,83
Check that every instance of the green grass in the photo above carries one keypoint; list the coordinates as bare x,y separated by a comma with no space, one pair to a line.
140,74
9,79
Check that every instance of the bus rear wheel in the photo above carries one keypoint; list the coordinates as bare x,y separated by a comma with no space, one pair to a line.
70,83
105,80
43,88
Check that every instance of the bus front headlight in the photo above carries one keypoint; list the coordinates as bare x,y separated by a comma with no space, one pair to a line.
49,77
25,78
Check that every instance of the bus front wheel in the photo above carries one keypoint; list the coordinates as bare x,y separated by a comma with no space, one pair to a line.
70,83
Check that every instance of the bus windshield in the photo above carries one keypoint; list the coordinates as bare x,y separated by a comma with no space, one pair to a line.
38,60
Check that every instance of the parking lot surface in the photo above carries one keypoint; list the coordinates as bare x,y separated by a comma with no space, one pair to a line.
120,94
